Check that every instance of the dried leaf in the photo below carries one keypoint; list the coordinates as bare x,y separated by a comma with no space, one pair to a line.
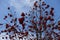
43,3
7,25
35,4
22,14
5,17
23,25
21,20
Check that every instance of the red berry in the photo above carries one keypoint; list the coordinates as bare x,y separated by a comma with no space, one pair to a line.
47,7
5,17
51,12
8,8
7,25
52,8
46,12
58,22
40,27
41,17
52,19
49,17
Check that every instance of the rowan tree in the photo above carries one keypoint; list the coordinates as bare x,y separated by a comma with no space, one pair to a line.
41,21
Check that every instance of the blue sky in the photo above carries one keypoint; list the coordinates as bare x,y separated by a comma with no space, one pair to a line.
24,6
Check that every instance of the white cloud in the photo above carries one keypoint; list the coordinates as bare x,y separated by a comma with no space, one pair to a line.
22,5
